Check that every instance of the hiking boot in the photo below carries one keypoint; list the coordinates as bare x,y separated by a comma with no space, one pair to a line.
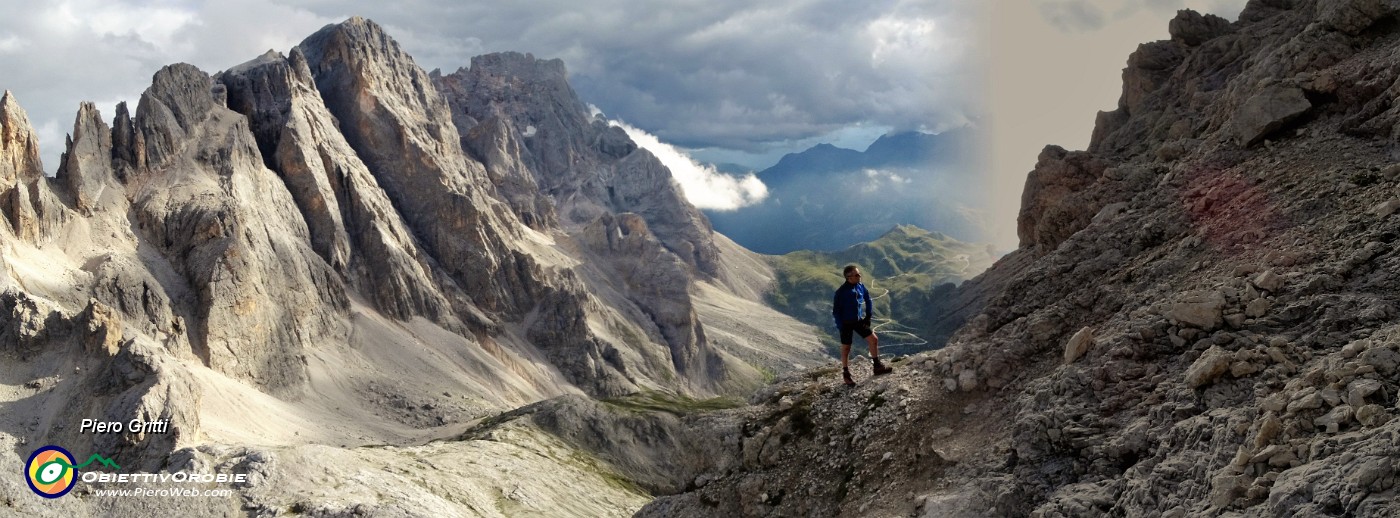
846,375
880,368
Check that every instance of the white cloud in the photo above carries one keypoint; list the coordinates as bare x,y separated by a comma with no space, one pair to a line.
155,24
703,186
879,179
904,40
12,43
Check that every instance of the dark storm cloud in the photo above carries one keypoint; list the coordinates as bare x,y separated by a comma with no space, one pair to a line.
721,73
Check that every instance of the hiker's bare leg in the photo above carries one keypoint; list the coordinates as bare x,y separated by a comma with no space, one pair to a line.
845,357
874,342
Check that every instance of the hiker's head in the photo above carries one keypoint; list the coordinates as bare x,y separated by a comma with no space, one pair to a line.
852,273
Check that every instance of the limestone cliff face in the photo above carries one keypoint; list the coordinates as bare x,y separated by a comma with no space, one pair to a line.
20,145
231,229
352,224
396,122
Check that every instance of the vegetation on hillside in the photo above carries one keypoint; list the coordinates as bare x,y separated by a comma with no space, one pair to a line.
905,270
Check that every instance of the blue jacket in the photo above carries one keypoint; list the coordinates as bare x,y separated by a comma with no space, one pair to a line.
850,304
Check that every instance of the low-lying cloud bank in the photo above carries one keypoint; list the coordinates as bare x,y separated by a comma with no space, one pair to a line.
704,187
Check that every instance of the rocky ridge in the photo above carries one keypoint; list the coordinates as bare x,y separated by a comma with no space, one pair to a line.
1200,320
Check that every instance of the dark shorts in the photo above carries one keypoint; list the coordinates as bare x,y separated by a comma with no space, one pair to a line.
860,327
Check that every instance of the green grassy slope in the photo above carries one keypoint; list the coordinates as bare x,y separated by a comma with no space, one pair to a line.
903,270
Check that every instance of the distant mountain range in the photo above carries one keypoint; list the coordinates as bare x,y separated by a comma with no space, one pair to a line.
829,198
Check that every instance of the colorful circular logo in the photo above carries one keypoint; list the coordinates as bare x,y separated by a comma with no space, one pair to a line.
50,472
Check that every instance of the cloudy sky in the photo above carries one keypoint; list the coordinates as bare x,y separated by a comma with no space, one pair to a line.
722,80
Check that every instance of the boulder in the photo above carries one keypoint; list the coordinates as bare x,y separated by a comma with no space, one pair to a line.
967,380
1335,419
1386,208
1359,390
1269,429
1199,309
1372,415
1309,401
1079,344
1212,364
1384,359
1257,308
1268,281
1267,111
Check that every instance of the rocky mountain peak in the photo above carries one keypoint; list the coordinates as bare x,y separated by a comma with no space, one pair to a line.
534,96
179,99
128,146
524,66
364,77
31,207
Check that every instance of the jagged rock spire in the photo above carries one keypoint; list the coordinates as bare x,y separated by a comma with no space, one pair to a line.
86,167
19,147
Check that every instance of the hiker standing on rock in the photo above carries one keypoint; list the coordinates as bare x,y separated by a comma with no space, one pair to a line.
850,311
